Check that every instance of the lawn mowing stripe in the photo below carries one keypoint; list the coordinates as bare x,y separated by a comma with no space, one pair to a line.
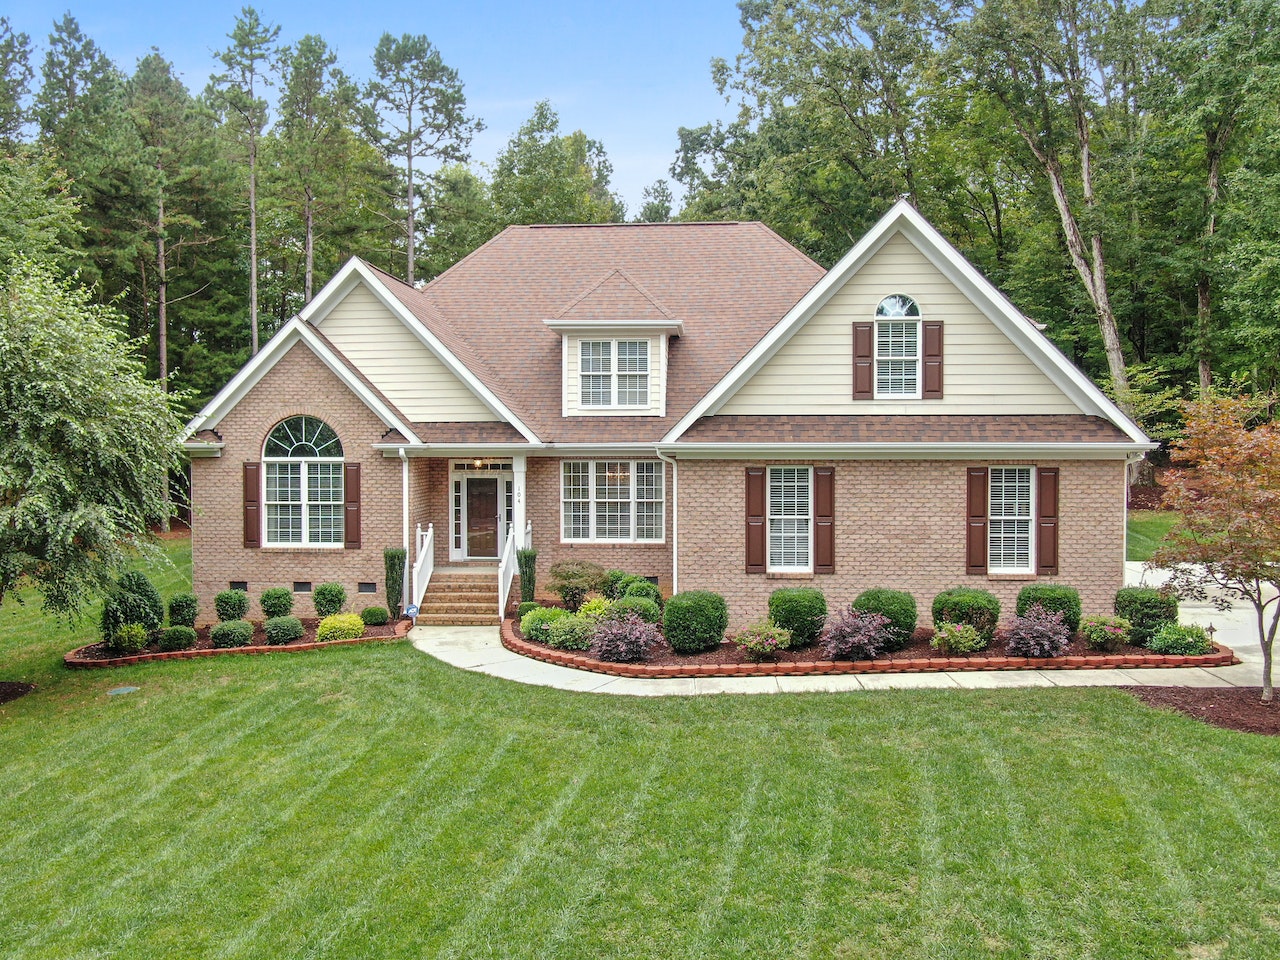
378,821
930,850
528,848
815,871
96,828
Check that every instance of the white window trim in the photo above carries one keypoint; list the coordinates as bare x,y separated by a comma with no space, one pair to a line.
592,501
768,521
613,374
1030,568
875,359
305,543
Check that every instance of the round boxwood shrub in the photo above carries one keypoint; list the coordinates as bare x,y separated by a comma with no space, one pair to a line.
282,630
642,607
183,609
1147,610
643,588
179,637
340,626
802,610
133,599
526,607
536,622
1055,598
329,598
571,633
231,605
128,638
232,633
276,602
694,620
375,616
896,606
978,608
611,583
1180,641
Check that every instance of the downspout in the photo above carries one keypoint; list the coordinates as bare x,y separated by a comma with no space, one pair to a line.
404,520
675,518
1124,539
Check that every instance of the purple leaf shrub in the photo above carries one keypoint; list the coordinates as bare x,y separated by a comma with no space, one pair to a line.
1038,633
856,635
624,640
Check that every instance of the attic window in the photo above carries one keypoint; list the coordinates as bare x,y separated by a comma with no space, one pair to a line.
897,347
614,373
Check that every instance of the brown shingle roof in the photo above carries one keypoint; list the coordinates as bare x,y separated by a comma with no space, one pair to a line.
464,432
930,428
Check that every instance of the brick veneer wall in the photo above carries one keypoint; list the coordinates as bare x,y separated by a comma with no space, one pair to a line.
299,384
899,524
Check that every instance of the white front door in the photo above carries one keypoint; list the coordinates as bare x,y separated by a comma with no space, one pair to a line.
481,508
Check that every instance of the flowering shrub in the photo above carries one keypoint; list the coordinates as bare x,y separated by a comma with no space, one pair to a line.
1038,633
762,640
856,635
624,640
1105,633
1188,641
571,633
535,624
978,608
958,638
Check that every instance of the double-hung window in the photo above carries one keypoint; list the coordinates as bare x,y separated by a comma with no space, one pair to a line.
611,500
1010,512
303,484
790,519
897,348
614,373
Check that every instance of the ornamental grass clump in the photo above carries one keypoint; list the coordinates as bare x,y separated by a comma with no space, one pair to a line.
535,624
978,608
1105,633
952,638
1055,598
1181,641
1147,609
1038,633
762,640
329,598
625,640
340,626
695,620
282,630
856,635
800,610
183,609
573,632
276,602
231,605
232,633
897,606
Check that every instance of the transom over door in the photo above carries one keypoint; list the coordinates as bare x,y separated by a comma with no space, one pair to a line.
482,516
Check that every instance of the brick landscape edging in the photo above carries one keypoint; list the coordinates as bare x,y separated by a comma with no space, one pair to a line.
1221,657
77,662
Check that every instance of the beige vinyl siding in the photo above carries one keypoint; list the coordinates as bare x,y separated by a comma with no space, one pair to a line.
573,384
983,372
398,363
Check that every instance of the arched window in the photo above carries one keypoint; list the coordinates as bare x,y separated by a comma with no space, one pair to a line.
897,357
304,497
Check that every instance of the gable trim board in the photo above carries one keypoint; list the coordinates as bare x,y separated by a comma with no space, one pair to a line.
904,219
356,271
272,353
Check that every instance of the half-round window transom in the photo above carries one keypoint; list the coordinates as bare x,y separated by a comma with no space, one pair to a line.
302,437
898,306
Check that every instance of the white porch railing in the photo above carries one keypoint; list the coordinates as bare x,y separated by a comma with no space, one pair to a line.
528,535
506,571
424,564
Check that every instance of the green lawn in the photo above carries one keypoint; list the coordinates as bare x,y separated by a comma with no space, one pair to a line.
371,802
1146,529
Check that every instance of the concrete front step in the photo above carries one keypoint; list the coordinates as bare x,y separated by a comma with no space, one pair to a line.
458,620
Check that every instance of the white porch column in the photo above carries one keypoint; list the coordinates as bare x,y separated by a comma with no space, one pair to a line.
518,511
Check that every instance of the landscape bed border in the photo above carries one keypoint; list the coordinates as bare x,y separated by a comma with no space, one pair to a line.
1221,657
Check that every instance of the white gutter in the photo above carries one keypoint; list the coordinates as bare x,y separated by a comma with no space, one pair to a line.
907,451
675,518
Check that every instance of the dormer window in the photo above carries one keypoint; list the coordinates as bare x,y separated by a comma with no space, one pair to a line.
614,373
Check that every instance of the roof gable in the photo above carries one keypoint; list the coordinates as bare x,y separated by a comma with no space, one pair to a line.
615,298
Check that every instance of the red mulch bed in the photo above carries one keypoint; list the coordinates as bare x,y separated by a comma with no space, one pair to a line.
11,690
98,651
1235,708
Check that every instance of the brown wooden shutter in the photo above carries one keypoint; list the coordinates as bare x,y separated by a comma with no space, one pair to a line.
755,519
253,504
932,361
976,537
824,528
863,361
351,493
1047,521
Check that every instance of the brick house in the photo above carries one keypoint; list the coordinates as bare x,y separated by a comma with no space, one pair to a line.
699,403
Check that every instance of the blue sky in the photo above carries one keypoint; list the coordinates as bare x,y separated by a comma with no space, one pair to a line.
628,74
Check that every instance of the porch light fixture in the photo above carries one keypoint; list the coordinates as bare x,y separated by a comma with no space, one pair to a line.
478,463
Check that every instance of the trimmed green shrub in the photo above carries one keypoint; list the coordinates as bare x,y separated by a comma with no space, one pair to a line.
375,616
978,608
283,629
526,607
527,564
597,608
762,640
624,640
1105,633
128,638
1147,609
232,633
642,607
1055,598
896,606
183,609
340,626
1038,633
276,602
536,622
231,605
572,580
133,599
611,583
855,635
1180,641
951,638
694,620
802,610
643,588
393,563
571,633
329,598
139,584
179,637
